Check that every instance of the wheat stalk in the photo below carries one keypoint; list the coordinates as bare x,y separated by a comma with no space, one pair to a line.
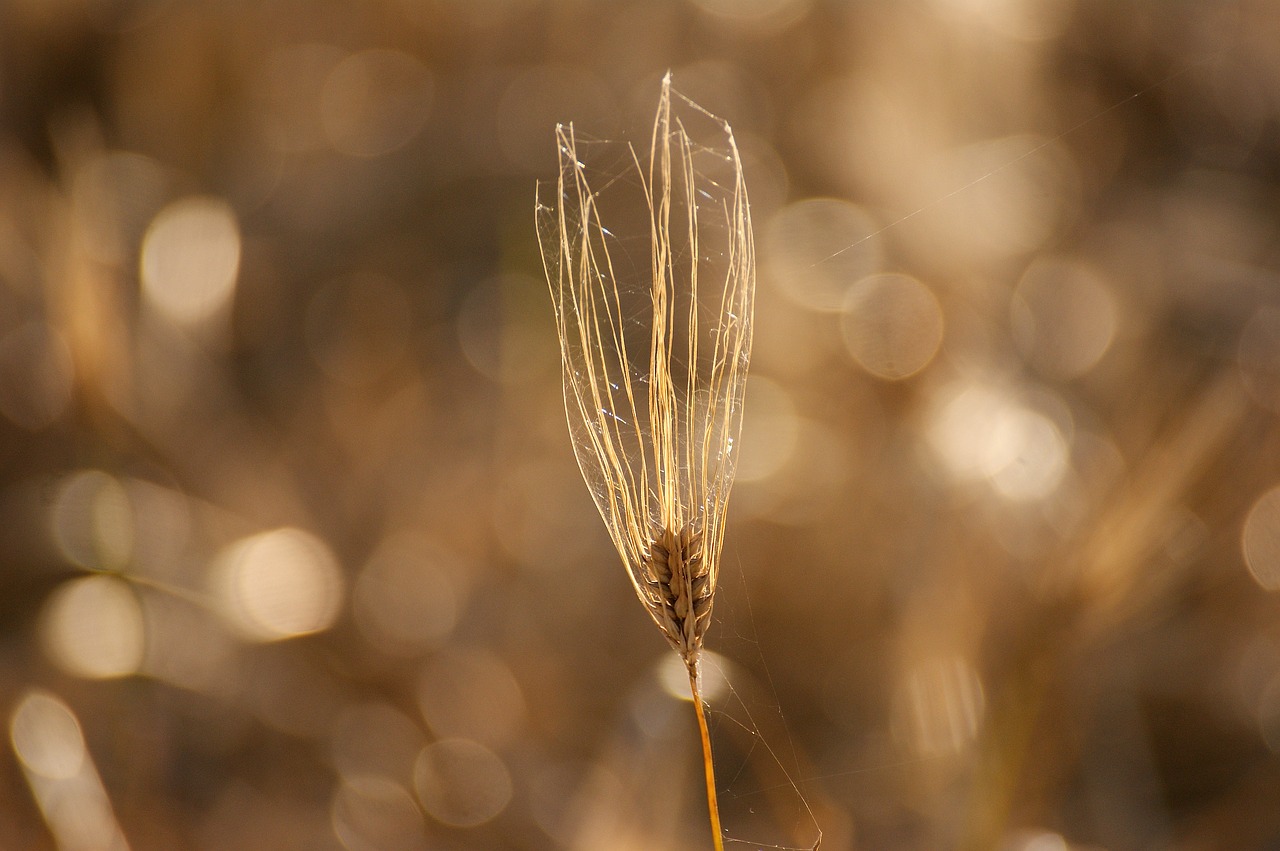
655,339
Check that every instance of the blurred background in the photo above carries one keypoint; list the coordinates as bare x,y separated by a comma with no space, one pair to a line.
295,553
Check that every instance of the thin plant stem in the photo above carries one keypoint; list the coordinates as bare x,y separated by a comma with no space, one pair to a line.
654,371
708,766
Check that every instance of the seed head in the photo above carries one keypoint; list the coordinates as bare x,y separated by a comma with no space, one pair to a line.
652,276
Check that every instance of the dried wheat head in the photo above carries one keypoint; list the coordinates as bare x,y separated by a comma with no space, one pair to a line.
651,266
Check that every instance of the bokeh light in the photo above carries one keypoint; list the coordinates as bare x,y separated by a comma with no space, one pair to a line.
769,430
375,101
1261,540
93,521
1063,317
760,15
279,584
405,599
943,705
1018,191
817,249
981,433
892,325
1035,840
376,814
471,693
297,550
461,783
188,646
713,671
94,628
190,259
49,743
1026,20
46,737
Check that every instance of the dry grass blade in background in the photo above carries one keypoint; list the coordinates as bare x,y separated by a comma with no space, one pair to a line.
652,275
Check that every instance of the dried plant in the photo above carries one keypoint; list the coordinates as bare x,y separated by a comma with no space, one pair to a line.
652,274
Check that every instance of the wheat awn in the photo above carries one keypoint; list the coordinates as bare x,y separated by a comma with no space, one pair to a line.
655,353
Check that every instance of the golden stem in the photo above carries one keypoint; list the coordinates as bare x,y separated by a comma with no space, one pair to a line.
713,806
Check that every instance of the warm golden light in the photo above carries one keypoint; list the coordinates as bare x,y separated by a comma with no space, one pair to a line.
188,646
980,433
815,250
46,737
1064,317
279,584
93,628
1261,540
93,522
294,551
374,102
714,672
1036,840
190,259
1024,20
944,705
461,783
371,812
769,430
764,15
892,325
1015,197
404,599
471,693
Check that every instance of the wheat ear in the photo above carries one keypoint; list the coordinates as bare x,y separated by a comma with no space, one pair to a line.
655,358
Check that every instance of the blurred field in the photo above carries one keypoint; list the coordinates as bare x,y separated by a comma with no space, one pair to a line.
296,554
